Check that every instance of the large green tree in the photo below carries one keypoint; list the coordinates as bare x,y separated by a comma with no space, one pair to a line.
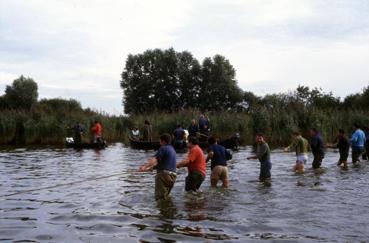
22,94
219,89
166,80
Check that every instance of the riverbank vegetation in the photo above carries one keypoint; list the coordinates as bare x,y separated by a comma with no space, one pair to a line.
168,87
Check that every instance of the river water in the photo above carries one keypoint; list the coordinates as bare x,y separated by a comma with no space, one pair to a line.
63,195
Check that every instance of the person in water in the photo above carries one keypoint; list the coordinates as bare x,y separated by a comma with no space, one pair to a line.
97,132
196,165
263,154
165,163
357,143
301,146
366,145
343,145
218,156
317,148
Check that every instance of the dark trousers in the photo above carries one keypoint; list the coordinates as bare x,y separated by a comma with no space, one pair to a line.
194,181
355,153
317,162
265,167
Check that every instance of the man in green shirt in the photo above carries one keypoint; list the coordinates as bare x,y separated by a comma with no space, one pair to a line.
301,146
263,154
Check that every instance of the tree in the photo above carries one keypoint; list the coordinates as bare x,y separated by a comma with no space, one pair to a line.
219,89
22,94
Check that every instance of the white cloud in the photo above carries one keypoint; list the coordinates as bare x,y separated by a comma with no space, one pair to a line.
77,49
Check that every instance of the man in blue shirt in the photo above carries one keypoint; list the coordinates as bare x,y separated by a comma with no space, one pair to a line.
357,143
218,156
165,162
317,147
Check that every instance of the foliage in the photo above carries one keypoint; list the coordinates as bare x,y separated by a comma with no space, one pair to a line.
22,94
170,81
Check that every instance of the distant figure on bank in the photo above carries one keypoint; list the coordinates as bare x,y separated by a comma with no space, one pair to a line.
97,132
263,154
343,145
77,133
301,146
165,162
357,143
135,133
218,156
179,136
147,132
196,165
193,129
317,148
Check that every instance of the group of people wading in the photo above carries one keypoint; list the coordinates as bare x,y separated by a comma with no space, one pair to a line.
165,162
165,158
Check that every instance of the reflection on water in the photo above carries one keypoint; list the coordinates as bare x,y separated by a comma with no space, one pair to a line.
63,195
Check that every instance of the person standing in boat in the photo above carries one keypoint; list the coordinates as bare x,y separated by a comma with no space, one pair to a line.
165,163
193,129
317,148
147,132
97,132
263,154
196,165
343,145
301,146
218,156
204,127
77,133
357,144
179,136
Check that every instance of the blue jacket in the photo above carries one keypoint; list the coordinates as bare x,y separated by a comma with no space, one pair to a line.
358,138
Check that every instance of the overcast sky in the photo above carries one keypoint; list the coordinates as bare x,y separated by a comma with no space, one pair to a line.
77,48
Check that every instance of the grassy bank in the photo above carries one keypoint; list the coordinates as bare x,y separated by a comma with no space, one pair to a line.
43,126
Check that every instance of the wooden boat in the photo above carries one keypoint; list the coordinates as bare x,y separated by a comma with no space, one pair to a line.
230,143
71,144
144,145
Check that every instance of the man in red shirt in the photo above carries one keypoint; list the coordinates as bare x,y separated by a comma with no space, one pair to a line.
196,165
97,132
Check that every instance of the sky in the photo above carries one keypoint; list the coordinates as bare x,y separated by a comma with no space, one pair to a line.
77,48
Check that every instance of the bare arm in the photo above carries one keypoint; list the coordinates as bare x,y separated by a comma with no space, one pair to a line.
149,165
210,156
183,163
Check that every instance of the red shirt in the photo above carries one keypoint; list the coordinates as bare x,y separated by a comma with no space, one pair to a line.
197,161
97,129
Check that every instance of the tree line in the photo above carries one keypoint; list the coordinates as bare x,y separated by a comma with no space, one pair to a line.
169,81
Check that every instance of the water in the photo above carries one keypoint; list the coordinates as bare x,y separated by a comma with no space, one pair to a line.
329,205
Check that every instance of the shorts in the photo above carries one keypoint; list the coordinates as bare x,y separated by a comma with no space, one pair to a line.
164,181
194,181
219,172
265,167
301,158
